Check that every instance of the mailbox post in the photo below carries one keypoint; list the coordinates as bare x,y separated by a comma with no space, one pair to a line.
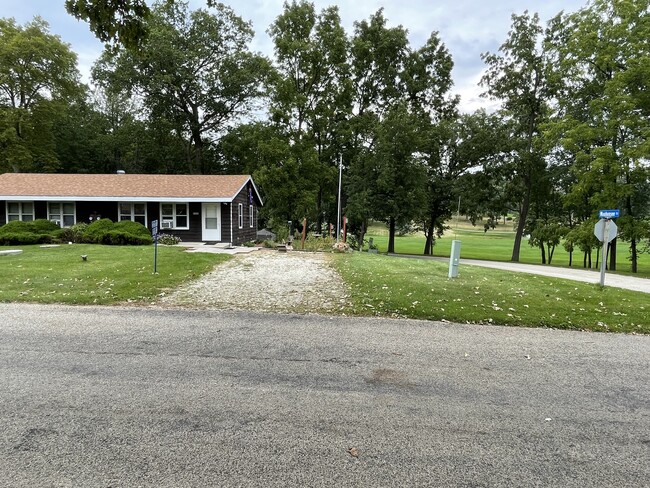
154,233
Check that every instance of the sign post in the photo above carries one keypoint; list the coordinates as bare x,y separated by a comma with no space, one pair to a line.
154,233
605,231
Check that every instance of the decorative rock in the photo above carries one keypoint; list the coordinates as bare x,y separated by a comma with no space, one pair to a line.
10,252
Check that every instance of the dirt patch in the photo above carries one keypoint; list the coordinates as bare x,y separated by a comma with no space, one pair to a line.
267,281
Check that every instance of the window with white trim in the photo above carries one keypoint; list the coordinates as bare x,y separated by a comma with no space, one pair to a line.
240,215
134,211
20,211
62,213
176,213
251,214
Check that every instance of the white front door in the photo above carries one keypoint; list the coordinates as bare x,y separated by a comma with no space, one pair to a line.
211,221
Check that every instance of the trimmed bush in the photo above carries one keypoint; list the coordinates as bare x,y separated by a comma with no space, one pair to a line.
94,233
16,226
36,232
23,238
43,226
120,238
72,234
130,227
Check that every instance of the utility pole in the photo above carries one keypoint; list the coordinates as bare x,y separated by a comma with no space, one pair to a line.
338,211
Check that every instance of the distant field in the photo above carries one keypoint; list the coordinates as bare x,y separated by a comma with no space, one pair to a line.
494,245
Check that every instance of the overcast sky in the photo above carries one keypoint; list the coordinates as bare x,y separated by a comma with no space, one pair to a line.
467,27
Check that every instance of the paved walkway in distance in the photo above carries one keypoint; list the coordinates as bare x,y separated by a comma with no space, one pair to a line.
588,276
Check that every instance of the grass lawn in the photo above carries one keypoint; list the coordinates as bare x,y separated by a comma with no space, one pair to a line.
112,274
496,245
419,289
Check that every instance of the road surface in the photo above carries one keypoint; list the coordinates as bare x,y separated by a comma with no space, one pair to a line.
100,397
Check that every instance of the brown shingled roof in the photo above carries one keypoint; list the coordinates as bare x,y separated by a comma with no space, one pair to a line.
80,186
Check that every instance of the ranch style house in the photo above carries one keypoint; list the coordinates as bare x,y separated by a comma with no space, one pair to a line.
196,208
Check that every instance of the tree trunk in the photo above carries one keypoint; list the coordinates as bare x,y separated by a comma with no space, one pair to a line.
391,235
634,255
584,261
612,255
550,251
570,258
362,234
428,245
523,214
541,248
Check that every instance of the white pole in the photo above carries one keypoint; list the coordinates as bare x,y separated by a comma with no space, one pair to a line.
338,212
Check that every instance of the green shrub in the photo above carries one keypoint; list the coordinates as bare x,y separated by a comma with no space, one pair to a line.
94,233
43,226
318,243
130,227
168,239
23,238
72,234
120,238
15,227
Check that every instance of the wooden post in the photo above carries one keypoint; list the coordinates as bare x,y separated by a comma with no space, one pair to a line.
330,230
304,234
345,228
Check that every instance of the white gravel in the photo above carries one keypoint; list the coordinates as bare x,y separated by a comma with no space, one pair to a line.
297,282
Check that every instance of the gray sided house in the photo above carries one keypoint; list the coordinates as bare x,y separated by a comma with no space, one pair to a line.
208,208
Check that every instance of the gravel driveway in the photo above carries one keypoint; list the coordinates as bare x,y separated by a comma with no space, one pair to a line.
263,281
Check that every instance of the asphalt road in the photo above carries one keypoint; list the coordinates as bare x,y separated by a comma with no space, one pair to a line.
112,397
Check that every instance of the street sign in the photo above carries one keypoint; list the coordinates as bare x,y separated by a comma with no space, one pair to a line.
609,214
154,227
605,229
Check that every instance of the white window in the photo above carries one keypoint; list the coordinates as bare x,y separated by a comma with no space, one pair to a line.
20,211
176,213
62,213
250,215
134,211
240,215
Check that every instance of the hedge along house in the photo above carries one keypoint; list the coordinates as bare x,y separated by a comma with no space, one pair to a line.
208,208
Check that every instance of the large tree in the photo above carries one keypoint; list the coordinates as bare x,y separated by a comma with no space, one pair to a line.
517,77
38,76
194,72
601,55
310,98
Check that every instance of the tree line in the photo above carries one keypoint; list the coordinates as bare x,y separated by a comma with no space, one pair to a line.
180,91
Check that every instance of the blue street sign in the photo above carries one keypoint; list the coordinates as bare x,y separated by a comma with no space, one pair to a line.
609,214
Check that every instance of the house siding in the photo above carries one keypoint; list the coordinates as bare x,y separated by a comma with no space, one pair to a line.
3,214
247,233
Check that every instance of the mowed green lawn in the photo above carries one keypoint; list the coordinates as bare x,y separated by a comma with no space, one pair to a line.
399,287
111,274
496,245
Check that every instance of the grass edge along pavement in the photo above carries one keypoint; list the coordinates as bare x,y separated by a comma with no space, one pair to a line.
111,275
420,289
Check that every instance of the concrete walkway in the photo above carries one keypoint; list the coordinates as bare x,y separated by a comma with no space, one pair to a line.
220,248
588,276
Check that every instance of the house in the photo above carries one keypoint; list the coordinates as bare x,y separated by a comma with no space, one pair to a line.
208,208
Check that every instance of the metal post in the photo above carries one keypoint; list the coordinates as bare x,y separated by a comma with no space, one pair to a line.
338,211
155,255
603,257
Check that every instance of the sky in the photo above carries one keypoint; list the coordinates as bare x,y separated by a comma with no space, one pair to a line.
467,27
